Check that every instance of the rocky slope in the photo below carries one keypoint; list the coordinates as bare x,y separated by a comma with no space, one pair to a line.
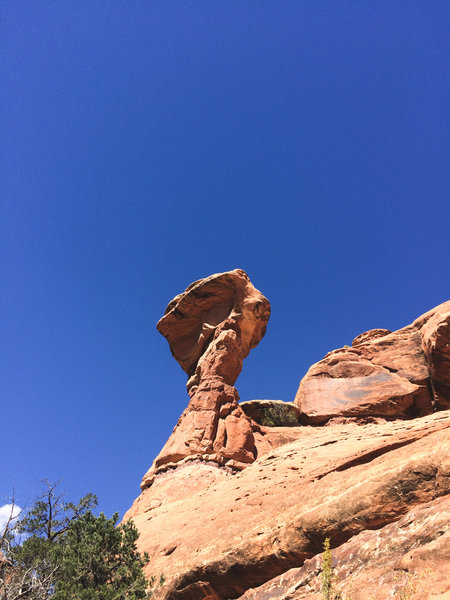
361,457
405,559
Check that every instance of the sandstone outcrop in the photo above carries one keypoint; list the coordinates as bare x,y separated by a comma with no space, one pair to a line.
383,374
435,331
211,327
407,559
368,466
235,532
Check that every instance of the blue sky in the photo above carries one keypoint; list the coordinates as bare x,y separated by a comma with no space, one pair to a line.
145,145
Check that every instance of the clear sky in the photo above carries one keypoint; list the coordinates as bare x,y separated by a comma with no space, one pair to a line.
147,144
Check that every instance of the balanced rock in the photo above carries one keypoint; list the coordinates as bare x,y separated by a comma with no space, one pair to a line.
375,478
386,374
211,327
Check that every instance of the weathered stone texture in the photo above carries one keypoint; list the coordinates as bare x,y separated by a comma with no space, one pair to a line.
408,559
211,328
236,509
234,532
384,374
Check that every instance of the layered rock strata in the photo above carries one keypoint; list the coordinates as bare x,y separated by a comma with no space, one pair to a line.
407,559
367,466
383,374
215,535
211,328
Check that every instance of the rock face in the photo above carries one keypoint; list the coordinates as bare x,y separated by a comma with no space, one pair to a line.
383,374
234,532
435,331
211,328
369,468
406,559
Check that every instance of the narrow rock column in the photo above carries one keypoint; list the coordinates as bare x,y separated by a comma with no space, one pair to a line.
211,328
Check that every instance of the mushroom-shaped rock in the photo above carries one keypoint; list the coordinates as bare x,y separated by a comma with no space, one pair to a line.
219,303
211,328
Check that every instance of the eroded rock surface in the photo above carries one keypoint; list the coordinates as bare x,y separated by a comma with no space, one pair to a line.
211,328
435,331
235,532
404,373
408,559
368,467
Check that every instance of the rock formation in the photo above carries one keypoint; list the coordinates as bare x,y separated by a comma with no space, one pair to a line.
408,559
383,374
367,466
211,328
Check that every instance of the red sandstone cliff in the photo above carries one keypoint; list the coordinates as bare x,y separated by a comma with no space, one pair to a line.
235,509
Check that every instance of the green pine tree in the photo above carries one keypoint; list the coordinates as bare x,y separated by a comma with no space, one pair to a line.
42,528
99,561
69,553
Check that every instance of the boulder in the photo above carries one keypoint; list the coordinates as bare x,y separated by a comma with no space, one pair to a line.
224,301
403,374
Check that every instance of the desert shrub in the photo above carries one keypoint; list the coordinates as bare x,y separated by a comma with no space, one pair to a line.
327,572
278,416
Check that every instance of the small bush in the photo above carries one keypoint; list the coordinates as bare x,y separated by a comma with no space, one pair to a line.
329,579
278,416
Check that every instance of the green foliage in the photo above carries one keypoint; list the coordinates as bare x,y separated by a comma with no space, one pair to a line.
411,586
327,570
99,561
328,577
44,527
278,416
50,516
72,554
152,581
